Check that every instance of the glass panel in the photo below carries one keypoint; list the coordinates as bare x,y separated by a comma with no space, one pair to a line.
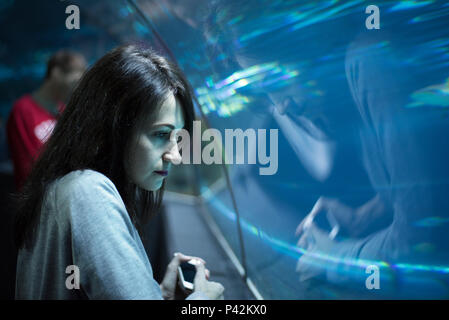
361,115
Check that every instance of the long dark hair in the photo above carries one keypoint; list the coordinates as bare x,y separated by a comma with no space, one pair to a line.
124,87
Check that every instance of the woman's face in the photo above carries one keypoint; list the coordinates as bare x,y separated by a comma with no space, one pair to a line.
154,146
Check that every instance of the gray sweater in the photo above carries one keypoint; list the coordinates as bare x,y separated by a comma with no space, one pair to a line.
84,223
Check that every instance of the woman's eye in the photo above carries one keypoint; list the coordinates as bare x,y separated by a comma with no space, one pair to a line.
161,134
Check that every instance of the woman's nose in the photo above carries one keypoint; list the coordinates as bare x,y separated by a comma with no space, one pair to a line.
172,155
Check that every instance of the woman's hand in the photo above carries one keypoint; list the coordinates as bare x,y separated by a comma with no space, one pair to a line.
211,289
168,284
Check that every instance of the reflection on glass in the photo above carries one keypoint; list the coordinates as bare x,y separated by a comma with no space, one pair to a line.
362,119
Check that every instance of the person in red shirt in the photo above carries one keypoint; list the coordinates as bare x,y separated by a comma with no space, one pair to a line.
34,115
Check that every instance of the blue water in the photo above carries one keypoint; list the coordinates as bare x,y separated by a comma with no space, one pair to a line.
362,116
360,113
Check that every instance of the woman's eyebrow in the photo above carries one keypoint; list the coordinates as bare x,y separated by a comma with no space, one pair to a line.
157,125
172,127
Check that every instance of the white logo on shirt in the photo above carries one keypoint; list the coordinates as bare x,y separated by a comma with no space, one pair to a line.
44,129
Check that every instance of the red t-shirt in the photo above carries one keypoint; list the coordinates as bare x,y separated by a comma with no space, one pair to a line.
29,126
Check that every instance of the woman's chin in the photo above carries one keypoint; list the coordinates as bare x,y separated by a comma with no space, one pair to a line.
155,186
150,184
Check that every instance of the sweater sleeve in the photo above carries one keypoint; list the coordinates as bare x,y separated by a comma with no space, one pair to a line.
105,245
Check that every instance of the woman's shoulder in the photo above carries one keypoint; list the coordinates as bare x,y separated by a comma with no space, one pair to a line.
82,175
84,184
87,195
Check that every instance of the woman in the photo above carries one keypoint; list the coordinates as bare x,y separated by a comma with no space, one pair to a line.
98,180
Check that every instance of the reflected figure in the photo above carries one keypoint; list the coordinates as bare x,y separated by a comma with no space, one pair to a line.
294,84
405,154
302,103
311,145
399,220
299,112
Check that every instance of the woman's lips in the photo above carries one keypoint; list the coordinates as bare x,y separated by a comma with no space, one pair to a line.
163,173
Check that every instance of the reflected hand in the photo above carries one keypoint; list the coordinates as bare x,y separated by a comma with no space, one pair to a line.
354,221
316,245
314,241
347,217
